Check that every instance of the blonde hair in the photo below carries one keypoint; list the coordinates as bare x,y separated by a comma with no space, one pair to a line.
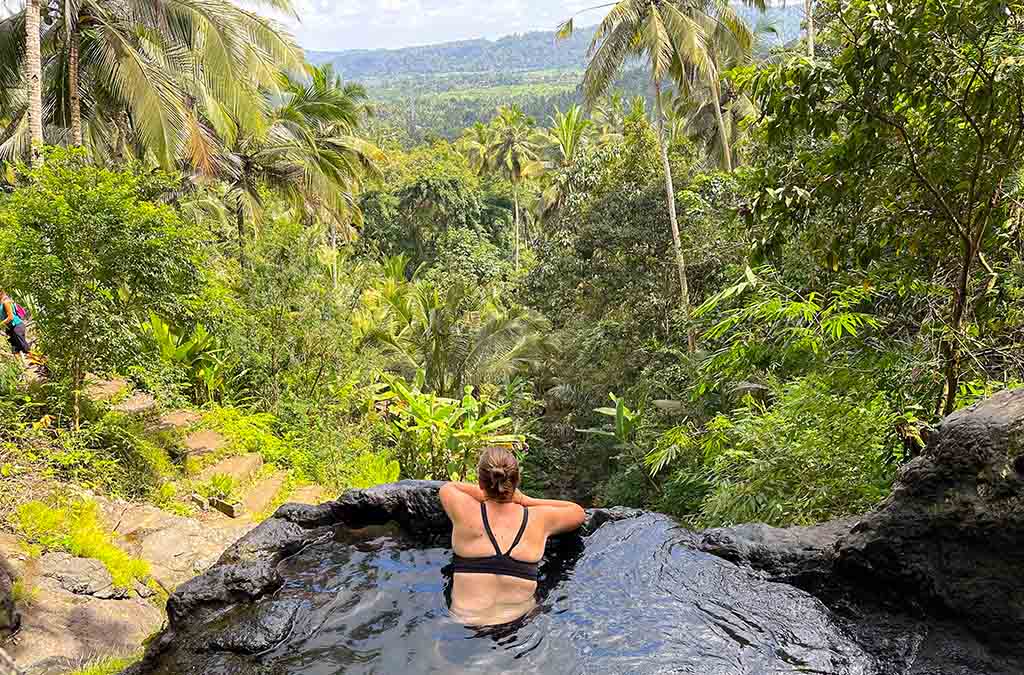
498,473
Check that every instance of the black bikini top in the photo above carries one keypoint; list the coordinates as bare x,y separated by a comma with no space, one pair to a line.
502,564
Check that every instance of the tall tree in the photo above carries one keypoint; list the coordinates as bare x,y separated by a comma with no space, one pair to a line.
309,153
514,153
34,77
665,36
155,80
921,114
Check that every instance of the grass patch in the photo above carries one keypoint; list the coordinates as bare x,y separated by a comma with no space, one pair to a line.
75,528
220,486
23,593
106,666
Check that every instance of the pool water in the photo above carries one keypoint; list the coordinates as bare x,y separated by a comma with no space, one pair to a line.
634,597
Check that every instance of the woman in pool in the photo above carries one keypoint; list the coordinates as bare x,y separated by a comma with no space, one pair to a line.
498,535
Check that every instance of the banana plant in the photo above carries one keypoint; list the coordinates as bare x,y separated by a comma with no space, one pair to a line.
436,436
624,426
198,354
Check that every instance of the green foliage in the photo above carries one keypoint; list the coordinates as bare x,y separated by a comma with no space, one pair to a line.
624,422
74,527
370,469
111,455
439,437
822,450
107,666
221,486
23,594
198,356
95,252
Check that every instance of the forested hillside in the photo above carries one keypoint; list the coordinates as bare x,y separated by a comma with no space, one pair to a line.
438,90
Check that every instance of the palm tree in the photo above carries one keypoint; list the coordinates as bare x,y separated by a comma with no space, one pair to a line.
309,153
609,116
567,134
564,138
514,153
157,80
34,77
672,36
457,337
665,36
474,144
809,12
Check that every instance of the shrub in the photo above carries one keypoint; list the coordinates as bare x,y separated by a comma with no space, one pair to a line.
371,469
824,449
95,253
75,528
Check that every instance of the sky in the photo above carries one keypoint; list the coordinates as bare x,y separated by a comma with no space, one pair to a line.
336,25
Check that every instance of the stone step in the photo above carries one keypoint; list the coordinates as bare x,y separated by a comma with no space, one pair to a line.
139,404
204,442
313,495
102,391
179,420
262,494
242,468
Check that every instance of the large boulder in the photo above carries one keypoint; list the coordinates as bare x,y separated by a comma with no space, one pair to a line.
949,539
952,531
9,618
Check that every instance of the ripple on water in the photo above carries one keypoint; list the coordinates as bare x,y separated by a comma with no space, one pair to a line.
637,599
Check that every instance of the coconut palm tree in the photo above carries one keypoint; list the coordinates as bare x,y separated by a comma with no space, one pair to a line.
34,77
567,133
156,80
672,37
309,153
458,337
664,35
474,144
563,140
514,153
609,116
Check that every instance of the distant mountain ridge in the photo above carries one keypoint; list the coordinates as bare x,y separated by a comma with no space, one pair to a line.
538,50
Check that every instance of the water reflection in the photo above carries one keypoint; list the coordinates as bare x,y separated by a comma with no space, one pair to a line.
634,600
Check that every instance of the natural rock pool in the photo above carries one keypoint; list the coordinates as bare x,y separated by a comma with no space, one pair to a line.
929,583
637,598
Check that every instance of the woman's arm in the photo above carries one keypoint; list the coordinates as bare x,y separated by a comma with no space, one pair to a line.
8,313
458,498
559,516
523,500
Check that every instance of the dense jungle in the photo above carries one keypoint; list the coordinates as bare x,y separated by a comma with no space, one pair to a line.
704,271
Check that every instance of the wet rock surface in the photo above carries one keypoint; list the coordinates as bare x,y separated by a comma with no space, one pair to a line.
928,583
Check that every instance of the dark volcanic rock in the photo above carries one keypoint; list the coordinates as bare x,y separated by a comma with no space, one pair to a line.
222,585
952,532
251,629
9,618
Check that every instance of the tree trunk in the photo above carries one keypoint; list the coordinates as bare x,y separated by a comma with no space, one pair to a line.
240,222
515,200
670,193
334,249
951,343
723,134
34,79
73,87
809,11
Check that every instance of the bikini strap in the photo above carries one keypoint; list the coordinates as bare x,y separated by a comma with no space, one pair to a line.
487,528
522,529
